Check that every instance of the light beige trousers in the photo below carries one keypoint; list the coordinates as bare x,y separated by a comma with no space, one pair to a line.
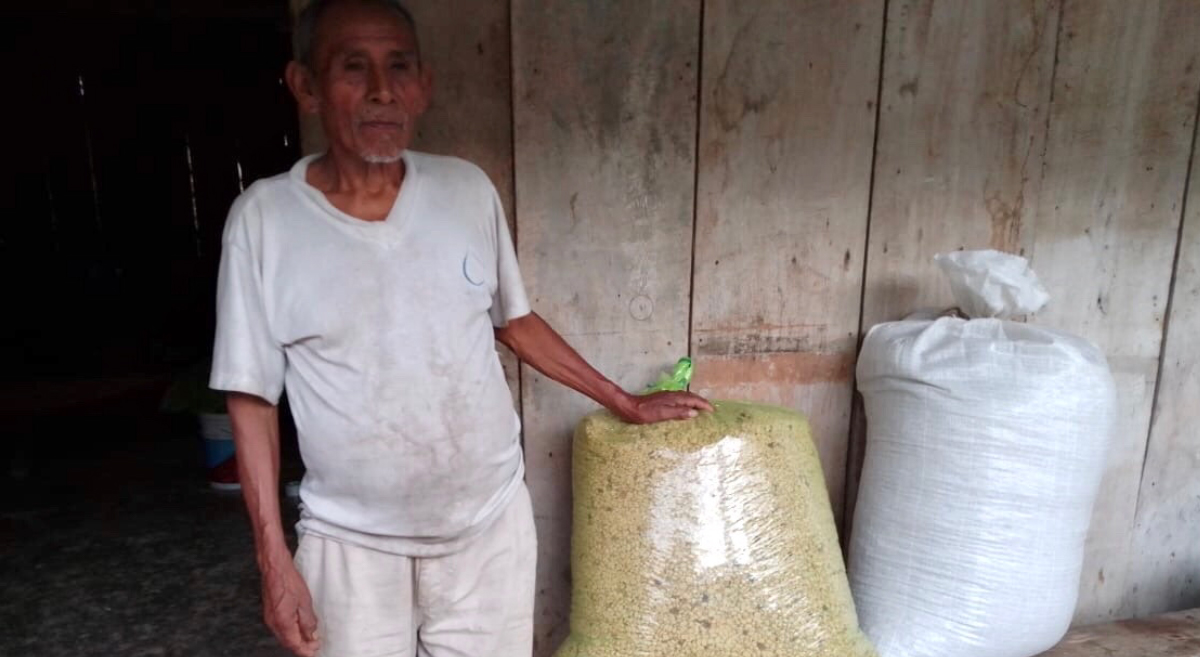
474,603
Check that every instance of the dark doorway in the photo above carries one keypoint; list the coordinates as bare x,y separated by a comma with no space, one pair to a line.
135,132
135,125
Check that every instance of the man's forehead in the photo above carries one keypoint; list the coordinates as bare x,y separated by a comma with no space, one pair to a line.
352,28
368,45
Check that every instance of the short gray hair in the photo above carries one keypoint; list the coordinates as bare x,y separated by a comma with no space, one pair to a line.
304,38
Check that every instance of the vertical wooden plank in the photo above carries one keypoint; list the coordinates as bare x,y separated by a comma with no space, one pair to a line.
964,99
787,126
965,93
1115,167
1166,541
605,120
467,44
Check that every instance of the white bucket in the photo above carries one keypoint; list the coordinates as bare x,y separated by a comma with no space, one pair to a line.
216,430
215,426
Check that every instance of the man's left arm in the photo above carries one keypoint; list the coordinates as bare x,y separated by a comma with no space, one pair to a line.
543,349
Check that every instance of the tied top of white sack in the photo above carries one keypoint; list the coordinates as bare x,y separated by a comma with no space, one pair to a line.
989,283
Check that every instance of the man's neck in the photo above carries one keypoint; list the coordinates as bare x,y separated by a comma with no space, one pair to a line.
341,173
359,188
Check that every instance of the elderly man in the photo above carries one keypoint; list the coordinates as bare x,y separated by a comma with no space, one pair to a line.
373,281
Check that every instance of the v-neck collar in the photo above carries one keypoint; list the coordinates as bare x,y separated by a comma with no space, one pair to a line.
397,216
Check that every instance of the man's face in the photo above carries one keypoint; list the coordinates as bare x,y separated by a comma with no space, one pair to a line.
369,85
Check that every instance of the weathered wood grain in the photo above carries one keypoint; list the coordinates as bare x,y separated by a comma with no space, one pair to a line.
966,91
1120,137
786,131
1165,560
605,120
466,43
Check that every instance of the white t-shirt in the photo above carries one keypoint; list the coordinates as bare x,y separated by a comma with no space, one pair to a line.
383,333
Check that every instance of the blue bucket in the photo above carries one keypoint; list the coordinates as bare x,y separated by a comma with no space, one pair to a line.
216,431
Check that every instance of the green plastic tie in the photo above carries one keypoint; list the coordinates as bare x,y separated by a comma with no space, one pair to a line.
677,379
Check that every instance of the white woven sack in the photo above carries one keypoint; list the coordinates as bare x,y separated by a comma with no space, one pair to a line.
986,443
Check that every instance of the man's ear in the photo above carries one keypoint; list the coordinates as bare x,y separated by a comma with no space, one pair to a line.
300,82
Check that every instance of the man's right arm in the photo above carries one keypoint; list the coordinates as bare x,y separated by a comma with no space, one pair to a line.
287,605
256,436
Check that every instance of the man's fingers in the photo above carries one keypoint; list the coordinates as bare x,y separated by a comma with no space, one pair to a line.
303,649
662,406
673,411
307,649
308,623
686,412
289,635
688,399
292,637
292,633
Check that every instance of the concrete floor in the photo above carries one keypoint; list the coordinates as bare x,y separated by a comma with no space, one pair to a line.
126,552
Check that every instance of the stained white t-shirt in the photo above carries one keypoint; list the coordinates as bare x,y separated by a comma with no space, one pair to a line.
383,334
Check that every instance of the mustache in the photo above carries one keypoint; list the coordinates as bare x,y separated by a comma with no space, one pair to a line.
401,119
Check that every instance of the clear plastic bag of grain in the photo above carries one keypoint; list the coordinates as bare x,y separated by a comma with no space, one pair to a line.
708,537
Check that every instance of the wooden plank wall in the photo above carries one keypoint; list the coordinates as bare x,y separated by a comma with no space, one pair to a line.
966,89
1165,570
605,165
1120,135
757,183
784,181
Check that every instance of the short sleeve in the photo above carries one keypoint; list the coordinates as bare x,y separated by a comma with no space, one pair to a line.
510,300
246,358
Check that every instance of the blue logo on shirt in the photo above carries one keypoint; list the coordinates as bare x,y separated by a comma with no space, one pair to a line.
467,274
